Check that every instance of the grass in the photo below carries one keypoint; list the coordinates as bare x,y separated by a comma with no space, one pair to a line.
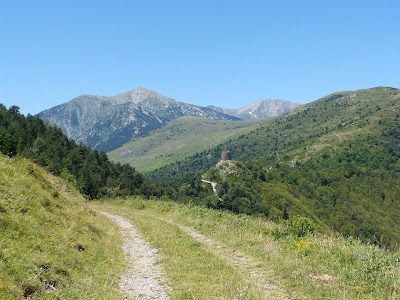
52,245
178,139
192,270
315,266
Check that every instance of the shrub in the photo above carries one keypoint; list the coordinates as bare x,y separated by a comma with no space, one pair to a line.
300,226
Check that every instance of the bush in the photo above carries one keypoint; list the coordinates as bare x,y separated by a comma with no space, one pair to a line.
300,226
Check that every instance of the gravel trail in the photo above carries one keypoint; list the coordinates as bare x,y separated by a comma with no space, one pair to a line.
142,277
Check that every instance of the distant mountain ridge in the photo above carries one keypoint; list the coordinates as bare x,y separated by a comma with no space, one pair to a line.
106,123
259,109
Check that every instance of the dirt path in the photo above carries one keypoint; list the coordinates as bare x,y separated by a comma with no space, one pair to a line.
214,187
213,184
142,278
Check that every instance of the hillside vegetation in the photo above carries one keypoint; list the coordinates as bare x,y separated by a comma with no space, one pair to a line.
326,124
52,245
243,257
335,160
177,140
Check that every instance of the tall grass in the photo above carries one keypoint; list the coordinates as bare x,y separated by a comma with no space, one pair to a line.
52,245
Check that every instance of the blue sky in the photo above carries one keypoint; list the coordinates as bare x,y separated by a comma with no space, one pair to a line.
224,53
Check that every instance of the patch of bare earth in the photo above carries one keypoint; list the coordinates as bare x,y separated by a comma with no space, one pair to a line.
142,278
322,278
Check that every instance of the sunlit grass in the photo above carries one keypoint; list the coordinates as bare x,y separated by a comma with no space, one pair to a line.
52,245
316,266
192,271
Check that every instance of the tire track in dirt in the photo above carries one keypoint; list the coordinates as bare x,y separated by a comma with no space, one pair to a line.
249,268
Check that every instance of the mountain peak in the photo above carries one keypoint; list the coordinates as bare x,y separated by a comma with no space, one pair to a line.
259,109
136,95
141,90
106,123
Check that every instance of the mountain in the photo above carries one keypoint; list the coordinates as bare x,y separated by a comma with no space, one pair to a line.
335,160
305,131
259,109
106,123
178,139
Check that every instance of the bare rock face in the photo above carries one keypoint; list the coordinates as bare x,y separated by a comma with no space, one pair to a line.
259,109
106,123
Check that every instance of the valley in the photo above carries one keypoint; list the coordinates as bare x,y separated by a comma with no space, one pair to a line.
181,138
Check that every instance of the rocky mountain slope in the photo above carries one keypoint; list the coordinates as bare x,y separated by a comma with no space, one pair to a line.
106,123
259,109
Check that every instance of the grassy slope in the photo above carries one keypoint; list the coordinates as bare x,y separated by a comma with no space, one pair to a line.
269,256
51,244
352,118
178,139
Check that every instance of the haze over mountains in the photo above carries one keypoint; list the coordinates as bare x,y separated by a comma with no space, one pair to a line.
106,123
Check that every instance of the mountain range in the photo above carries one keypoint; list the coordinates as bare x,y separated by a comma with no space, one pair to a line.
106,123
259,109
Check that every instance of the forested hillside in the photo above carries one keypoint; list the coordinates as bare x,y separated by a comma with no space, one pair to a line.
335,160
91,171
325,125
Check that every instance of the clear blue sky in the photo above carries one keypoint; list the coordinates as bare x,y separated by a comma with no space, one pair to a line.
224,53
